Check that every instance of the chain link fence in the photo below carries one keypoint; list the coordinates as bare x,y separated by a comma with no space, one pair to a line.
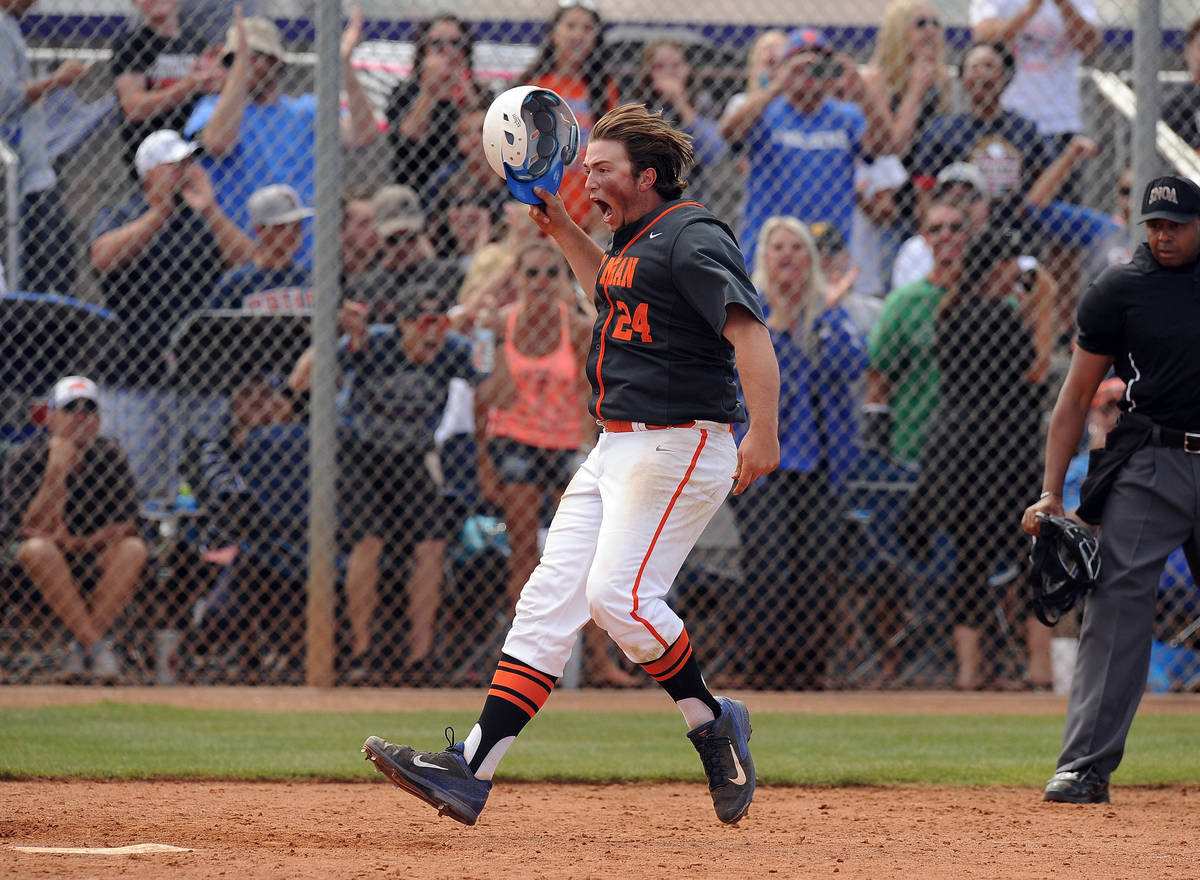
169,176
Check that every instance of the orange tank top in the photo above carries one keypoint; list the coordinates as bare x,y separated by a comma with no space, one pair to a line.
549,402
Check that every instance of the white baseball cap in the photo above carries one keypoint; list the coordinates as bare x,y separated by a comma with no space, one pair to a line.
71,388
162,148
275,205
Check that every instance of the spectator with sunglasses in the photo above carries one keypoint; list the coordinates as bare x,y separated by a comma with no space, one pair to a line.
252,132
902,380
423,111
72,518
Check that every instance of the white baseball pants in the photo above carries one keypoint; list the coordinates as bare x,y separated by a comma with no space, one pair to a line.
625,525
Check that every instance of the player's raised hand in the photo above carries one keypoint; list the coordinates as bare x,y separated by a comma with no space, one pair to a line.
551,216
352,35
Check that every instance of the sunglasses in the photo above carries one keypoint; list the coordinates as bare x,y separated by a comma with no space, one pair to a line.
938,228
535,271
927,21
86,407
1123,191
589,5
447,43
401,238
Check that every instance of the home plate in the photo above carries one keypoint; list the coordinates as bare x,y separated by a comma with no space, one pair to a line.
136,849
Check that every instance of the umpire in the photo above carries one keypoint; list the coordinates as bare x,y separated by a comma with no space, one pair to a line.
1143,319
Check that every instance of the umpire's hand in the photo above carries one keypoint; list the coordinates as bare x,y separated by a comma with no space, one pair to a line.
1031,520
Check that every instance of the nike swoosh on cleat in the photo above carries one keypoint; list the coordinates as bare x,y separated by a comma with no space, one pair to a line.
740,779
655,234
418,761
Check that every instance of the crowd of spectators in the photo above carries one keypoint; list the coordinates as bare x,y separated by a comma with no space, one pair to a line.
897,220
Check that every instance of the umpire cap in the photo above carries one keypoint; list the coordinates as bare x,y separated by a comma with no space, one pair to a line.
1171,198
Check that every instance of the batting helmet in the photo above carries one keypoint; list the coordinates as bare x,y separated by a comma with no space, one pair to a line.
529,136
1065,562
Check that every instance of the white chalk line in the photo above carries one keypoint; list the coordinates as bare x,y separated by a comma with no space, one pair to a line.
136,849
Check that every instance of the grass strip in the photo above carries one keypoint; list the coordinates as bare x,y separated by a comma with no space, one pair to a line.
115,741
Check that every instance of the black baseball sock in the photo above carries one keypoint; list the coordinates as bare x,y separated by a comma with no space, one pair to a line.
679,674
518,691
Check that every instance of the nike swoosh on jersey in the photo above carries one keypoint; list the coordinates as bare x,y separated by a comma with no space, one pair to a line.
740,779
655,234
419,762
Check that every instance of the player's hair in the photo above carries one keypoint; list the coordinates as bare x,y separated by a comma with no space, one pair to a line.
814,292
892,50
650,143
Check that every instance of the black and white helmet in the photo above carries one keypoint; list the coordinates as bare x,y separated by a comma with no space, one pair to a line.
1065,563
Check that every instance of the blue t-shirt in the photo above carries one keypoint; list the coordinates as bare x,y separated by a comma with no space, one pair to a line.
801,165
263,290
276,144
394,401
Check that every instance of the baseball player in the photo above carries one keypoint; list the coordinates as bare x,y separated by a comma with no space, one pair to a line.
676,314
1143,318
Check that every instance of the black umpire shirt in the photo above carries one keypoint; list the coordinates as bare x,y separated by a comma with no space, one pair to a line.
1147,317
657,353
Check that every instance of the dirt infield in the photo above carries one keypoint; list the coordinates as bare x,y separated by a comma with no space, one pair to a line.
249,830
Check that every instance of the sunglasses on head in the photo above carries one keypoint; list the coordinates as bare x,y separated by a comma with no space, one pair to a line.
535,271
927,21
589,5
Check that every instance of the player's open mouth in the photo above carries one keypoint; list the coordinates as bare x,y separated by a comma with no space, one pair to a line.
606,211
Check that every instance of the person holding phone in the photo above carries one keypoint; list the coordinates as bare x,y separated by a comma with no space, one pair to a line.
802,135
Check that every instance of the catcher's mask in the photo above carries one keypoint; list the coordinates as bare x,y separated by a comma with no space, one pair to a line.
1065,562
529,136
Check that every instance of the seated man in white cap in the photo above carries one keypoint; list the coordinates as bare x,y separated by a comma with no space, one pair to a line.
71,511
273,280
158,256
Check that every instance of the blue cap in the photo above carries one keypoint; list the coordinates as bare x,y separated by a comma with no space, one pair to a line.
806,40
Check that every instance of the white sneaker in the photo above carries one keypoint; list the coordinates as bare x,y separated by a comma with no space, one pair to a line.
105,665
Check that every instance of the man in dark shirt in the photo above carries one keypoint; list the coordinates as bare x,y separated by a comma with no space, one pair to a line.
1182,111
158,256
273,280
1007,148
676,314
1142,319
72,511
159,73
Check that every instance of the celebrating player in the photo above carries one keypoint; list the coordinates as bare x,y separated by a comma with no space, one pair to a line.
676,313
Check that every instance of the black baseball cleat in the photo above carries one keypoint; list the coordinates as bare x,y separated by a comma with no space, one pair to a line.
724,747
1077,787
441,779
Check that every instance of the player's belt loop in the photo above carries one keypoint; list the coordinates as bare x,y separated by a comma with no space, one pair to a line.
618,426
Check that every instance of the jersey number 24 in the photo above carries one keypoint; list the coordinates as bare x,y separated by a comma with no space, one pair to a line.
628,324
